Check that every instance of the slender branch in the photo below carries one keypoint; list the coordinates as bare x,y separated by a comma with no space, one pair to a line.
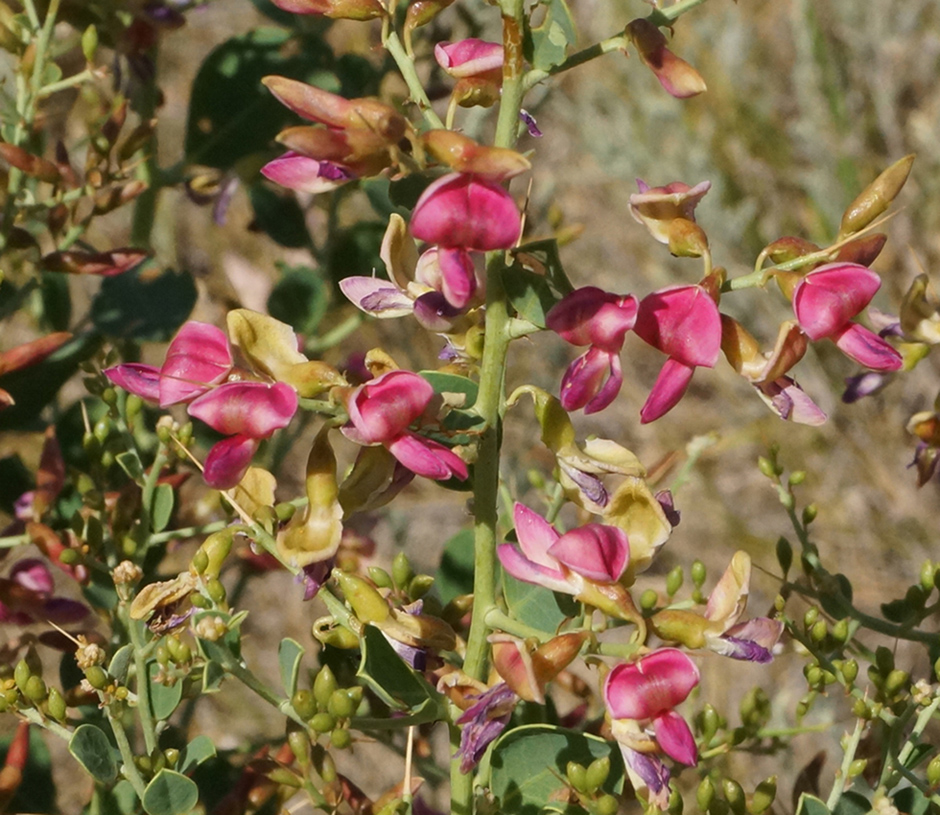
496,619
127,755
668,15
407,68
616,43
250,681
35,717
144,712
842,774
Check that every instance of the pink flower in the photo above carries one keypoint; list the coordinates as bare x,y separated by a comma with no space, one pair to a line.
601,320
304,174
467,212
478,68
683,322
198,358
826,300
669,214
381,411
26,597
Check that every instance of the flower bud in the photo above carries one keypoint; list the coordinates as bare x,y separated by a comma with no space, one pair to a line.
933,771
677,77
324,685
705,794
674,581
764,796
734,795
596,774
341,705
698,573
876,197
857,767
784,554
35,689
709,722
896,681
340,738
577,776
304,704
322,722
401,570
607,804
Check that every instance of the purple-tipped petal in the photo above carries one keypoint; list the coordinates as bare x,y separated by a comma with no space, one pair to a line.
198,358
683,322
862,385
228,461
596,551
134,377
251,409
650,686
867,348
790,402
458,277
752,641
609,389
433,312
531,125
427,458
670,386
305,174
468,212
376,296
831,295
675,738
647,771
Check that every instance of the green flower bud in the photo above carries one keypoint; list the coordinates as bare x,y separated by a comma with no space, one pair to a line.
675,804
284,511
784,554
884,659
328,632
780,602
284,777
120,693
217,548
648,600
90,43
324,686
21,675
102,430
401,570
936,669
813,675
340,738
933,771
326,767
705,794
304,704
810,511
698,574
322,722
796,478
764,796
380,577
419,586
896,681
162,653
787,500
674,581
857,767
35,689
299,743
849,670
840,630
819,631
577,776
56,706
597,773
340,705
734,795
368,605
709,722
607,805
97,677
860,709
69,557
200,561
185,434
172,756
766,466
90,446
216,591
132,407
927,572
199,601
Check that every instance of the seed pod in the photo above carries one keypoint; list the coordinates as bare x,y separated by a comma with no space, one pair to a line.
304,704
56,706
766,466
810,511
217,548
876,197
324,686
366,602
840,630
675,804
299,743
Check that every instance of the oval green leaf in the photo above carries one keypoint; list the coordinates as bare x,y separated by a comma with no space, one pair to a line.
94,752
170,793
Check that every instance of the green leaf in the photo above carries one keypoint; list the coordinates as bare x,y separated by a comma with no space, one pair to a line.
144,305
163,698
119,800
193,754
170,793
162,509
530,295
212,677
289,655
547,44
911,801
452,383
279,216
389,677
546,253
300,298
231,114
455,574
854,803
121,661
528,766
811,805
56,301
129,461
537,606
91,748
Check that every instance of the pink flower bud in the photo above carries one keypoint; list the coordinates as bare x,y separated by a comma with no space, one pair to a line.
470,57
592,381
677,77
658,207
467,212
591,316
304,174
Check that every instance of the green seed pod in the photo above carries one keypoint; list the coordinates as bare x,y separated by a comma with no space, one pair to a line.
171,756
840,630
90,43
705,794
216,591
849,670
709,722
784,554
35,689
304,704
698,573
199,601
419,586
56,705
401,570
324,686
340,705
810,511
340,738
857,767
674,581
896,681
933,771
876,197
299,743
764,796
21,675
322,722
380,577
97,677
366,602
607,805
597,773
648,600
162,653
102,430
734,795
334,635
766,466
217,548
819,631
577,776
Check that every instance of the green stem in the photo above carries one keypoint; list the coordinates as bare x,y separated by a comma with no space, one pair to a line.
842,774
127,755
188,532
616,43
144,712
668,15
250,681
335,335
34,716
407,68
65,84
150,484
496,619
13,541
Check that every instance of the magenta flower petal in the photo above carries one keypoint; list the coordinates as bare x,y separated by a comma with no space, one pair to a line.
134,377
376,296
585,378
867,348
609,390
305,174
675,738
831,295
251,409
458,277
228,461
469,57
528,571
535,536
465,211
595,551
32,574
682,322
382,409
591,316
650,686
427,458
198,358
670,385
